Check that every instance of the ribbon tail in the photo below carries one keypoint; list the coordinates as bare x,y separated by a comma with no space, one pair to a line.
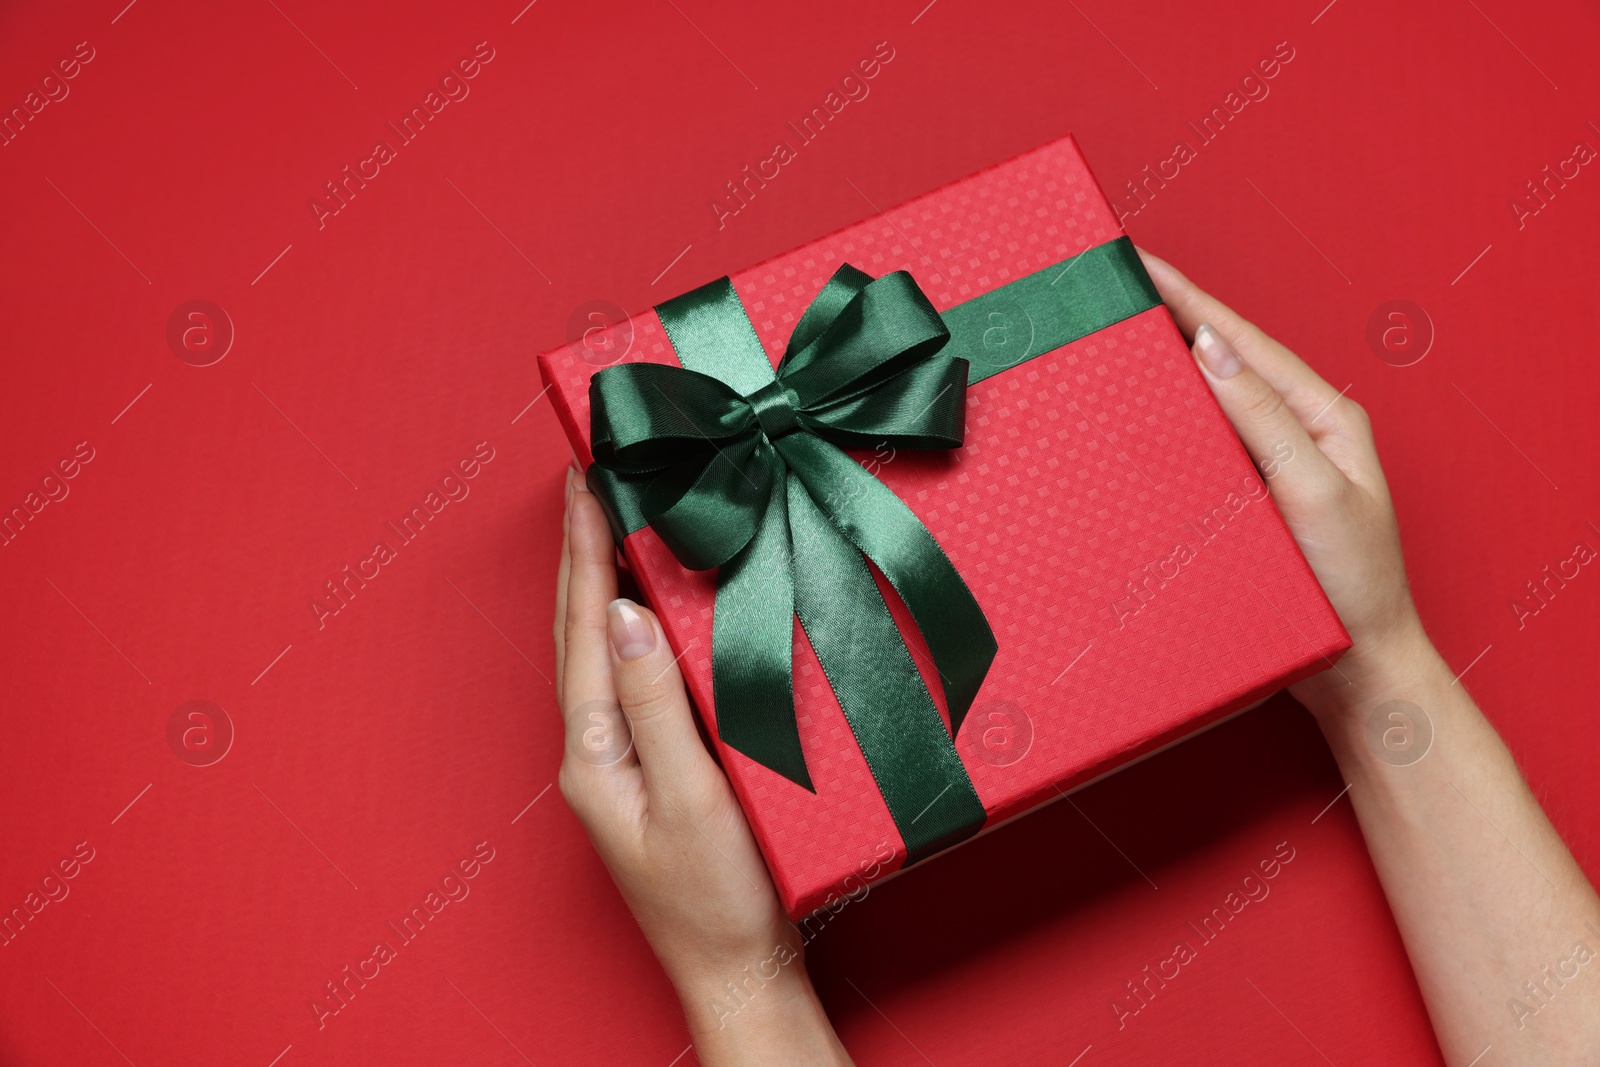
878,523
890,711
752,646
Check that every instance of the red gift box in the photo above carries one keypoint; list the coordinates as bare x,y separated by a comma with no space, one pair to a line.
1139,581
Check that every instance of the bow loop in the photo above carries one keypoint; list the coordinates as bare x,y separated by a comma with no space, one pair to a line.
922,407
838,291
873,333
654,416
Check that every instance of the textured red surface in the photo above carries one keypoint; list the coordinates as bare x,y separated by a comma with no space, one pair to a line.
1084,472
416,723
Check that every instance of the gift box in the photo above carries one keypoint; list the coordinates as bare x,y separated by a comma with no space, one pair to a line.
941,518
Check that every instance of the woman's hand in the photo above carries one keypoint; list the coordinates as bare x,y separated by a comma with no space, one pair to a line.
1483,890
665,821
1315,448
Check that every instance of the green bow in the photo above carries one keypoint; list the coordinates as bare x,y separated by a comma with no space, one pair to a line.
740,468
744,470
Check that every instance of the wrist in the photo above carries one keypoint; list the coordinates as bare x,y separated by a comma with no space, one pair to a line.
1398,664
764,1010
715,993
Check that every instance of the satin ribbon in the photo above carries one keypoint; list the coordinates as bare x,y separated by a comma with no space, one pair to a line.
741,468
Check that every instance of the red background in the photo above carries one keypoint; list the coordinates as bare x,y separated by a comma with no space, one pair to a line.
373,754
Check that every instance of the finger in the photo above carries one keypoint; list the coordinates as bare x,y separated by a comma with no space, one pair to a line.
650,687
563,571
1273,435
597,733
1303,389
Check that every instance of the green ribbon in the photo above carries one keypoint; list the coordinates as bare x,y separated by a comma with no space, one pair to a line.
741,468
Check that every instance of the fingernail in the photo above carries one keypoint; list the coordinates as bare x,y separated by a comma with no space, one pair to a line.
1216,355
580,484
631,633
568,503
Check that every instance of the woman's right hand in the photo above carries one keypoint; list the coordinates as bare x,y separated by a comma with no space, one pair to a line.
1482,888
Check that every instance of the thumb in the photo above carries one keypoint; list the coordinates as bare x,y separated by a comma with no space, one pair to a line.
650,688
1273,435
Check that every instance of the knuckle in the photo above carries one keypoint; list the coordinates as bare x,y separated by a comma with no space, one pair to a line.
1355,417
1229,323
1263,404
568,627
1326,491
1349,413
576,626
647,701
567,780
